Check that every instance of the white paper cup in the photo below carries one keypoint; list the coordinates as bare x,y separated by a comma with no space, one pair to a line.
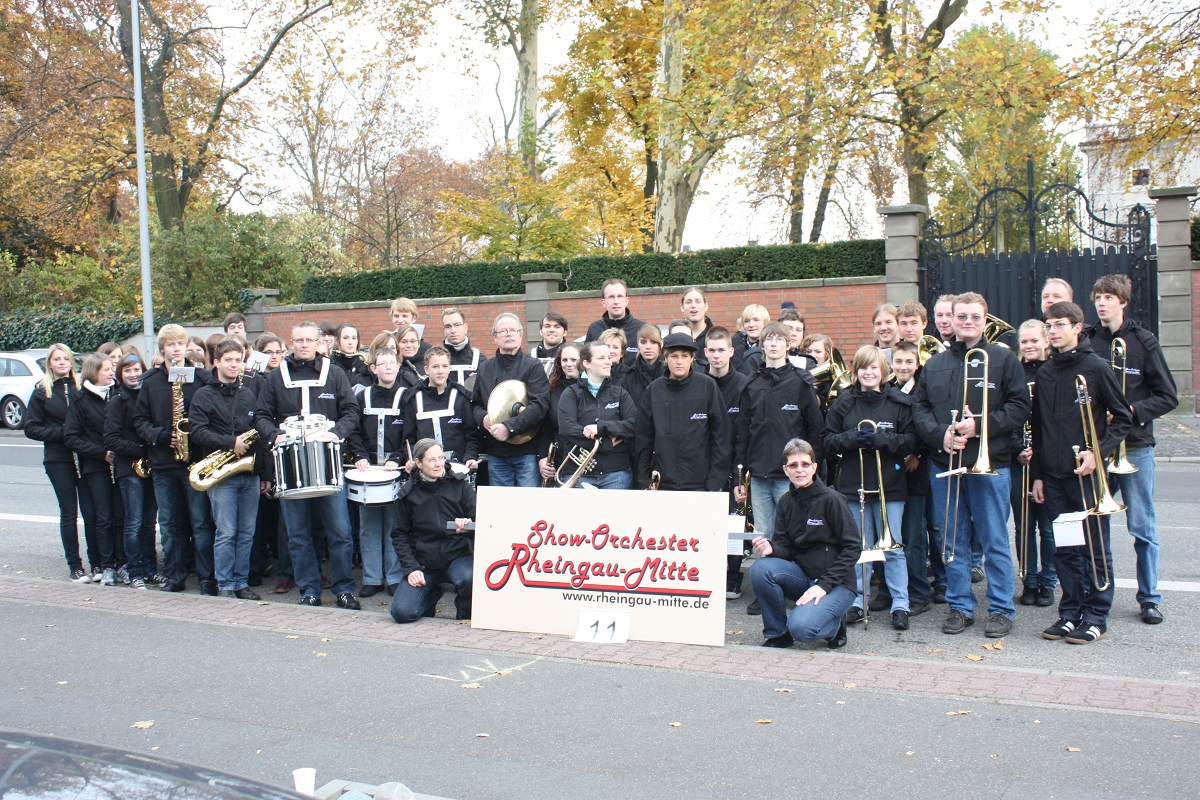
305,779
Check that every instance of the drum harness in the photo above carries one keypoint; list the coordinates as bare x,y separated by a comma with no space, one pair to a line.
460,370
303,386
383,413
436,417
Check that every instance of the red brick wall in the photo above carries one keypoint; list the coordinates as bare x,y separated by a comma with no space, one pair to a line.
842,312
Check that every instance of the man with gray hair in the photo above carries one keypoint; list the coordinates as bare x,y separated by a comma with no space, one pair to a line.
511,443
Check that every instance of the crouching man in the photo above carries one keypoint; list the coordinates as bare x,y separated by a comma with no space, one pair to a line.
809,558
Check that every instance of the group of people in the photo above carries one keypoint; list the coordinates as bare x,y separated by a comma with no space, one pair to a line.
826,460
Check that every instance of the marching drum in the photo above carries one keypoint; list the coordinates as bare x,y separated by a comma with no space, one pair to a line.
375,487
309,462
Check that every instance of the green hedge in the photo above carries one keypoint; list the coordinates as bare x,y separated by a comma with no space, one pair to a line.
83,330
729,265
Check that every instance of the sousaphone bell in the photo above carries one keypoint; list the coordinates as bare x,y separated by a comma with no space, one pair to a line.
506,401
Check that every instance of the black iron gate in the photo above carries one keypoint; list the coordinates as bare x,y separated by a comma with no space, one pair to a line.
982,257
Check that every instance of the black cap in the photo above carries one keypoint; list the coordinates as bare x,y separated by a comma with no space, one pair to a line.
787,304
680,341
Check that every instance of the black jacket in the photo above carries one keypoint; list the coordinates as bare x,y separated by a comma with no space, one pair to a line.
540,351
459,434
628,323
777,405
815,530
918,480
461,359
638,376
410,374
747,356
614,414
1057,417
1149,385
335,400
46,416
549,434
220,413
84,431
702,342
364,442
940,390
120,436
1030,368
682,426
731,386
355,368
529,371
891,411
152,418
420,537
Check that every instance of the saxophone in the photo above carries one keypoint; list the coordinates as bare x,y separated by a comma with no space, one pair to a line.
179,422
216,467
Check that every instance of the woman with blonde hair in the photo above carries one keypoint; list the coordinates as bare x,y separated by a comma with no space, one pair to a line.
84,434
45,420
747,352
1041,575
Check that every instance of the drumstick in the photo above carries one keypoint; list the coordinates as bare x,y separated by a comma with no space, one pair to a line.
409,446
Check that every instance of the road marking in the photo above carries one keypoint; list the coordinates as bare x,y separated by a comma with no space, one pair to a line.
1167,586
5,444
32,518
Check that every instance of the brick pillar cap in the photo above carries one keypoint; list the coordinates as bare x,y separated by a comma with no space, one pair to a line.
1172,191
542,276
909,209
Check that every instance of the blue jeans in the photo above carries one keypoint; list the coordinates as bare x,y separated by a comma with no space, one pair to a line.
775,582
764,497
516,471
335,518
235,508
609,480
174,495
895,562
380,563
410,602
1080,598
1137,492
140,508
983,505
916,548
1039,549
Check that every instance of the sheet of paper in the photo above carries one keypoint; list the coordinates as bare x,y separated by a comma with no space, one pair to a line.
181,375
871,555
602,627
1068,529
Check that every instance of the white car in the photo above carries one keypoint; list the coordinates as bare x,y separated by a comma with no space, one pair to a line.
19,374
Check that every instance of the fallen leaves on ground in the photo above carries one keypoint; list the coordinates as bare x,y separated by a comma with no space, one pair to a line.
764,722
319,655
326,639
1074,750
678,724
785,690
293,637
840,703
734,633
974,657
481,736
62,683
146,723
850,685
471,686
154,748
997,645
934,650
956,713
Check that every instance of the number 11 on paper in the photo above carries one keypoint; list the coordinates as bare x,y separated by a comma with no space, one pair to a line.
602,627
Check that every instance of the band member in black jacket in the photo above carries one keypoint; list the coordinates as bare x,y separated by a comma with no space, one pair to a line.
465,359
306,384
693,306
682,427
45,419
1064,467
345,355
778,404
379,441
983,500
177,500
891,436
511,463
595,409
439,409
222,416
411,358
137,493
551,447
1150,389
615,294
1040,575
84,434
554,332
429,553
647,367
809,558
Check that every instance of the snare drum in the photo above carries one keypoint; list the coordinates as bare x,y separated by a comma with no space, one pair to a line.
375,487
462,472
307,468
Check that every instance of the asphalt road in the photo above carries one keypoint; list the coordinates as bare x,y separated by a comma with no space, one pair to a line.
260,704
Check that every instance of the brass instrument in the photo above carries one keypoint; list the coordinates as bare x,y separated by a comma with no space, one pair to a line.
743,479
1105,504
1120,464
928,347
551,452
655,476
834,372
885,542
994,328
217,466
1023,531
179,422
585,461
141,468
506,401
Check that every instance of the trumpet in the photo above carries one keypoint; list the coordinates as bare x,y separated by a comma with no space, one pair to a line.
835,373
583,460
551,452
994,328
1105,504
1120,464
1023,532
983,465
885,542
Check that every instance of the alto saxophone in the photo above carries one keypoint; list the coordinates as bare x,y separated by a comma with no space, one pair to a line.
179,422
216,467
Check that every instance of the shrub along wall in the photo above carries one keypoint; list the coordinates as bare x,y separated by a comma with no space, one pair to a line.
859,258
83,330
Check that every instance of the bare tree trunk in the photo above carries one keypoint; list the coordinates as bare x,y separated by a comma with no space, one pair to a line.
667,231
814,235
527,82
796,193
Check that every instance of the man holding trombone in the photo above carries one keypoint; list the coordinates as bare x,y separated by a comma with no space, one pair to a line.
970,400
1076,392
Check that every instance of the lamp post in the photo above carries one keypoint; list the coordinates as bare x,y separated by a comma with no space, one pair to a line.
143,200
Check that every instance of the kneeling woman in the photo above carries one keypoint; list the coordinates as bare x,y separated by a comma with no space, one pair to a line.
429,553
809,558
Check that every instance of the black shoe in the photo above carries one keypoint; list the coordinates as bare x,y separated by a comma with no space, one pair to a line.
1150,614
460,614
733,586
957,622
254,578
348,600
1060,630
754,609
853,616
208,588
918,608
370,590
246,594
1045,597
839,639
998,626
310,600
1086,634
1029,596
900,619
939,595
977,575
785,640
880,602
172,587
227,593
392,587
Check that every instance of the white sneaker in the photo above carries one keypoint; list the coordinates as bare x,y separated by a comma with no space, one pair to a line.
79,576
97,574
123,575
138,583
109,578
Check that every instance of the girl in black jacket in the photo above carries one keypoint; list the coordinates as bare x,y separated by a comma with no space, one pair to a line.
564,372
84,434
429,553
1040,574
891,437
412,368
345,355
647,366
45,420
137,493
592,409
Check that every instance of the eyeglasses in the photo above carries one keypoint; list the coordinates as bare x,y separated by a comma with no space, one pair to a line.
775,339
1062,325
273,352
969,318
804,465
304,341
506,332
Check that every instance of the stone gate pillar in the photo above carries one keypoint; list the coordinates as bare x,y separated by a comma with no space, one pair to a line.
1177,285
902,227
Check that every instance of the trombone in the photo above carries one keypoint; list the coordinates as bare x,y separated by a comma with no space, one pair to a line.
1105,504
885,542
1023,531
975,358
1120,464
